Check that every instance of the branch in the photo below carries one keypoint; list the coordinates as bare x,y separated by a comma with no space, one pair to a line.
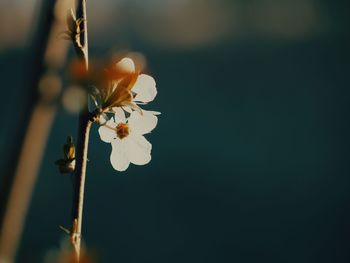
34,126
80,175
85,123
81,47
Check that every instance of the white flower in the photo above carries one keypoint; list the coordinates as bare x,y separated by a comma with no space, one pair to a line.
144,88
126,136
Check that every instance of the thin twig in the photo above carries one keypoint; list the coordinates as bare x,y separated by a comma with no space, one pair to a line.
82,47
83,139
80,175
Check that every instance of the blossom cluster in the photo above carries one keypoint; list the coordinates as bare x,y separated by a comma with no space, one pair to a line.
121,97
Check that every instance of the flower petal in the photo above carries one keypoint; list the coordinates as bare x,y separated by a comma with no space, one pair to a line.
119,158
130,106
119,115
127,109
126,65
142,124
103,119
107,134
138,149
145,88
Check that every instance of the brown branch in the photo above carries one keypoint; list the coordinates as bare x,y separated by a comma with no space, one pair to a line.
80,175
82,47
83,138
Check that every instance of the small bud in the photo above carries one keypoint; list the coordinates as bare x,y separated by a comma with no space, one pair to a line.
67,164
69,149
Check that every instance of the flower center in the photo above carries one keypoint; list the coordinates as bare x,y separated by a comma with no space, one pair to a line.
122,130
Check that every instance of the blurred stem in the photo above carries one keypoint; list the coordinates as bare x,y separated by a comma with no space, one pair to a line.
39,109
24,181
83,139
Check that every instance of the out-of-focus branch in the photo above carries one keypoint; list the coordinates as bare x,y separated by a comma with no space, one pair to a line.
24,181
48,57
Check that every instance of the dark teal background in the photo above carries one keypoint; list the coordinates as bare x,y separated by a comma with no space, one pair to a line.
250,157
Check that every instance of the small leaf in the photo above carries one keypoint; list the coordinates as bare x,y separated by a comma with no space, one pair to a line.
64,230
94,99
92,103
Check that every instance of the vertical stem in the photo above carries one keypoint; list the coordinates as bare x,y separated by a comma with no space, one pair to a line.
83,139
83,51
80,175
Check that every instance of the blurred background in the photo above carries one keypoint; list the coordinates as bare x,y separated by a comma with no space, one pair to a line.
251,153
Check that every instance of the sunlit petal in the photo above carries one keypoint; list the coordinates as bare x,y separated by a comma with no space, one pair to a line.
138,149
142,124
119,159
103,118
107,135
145,88
130,106
126,65
127,109
119,114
